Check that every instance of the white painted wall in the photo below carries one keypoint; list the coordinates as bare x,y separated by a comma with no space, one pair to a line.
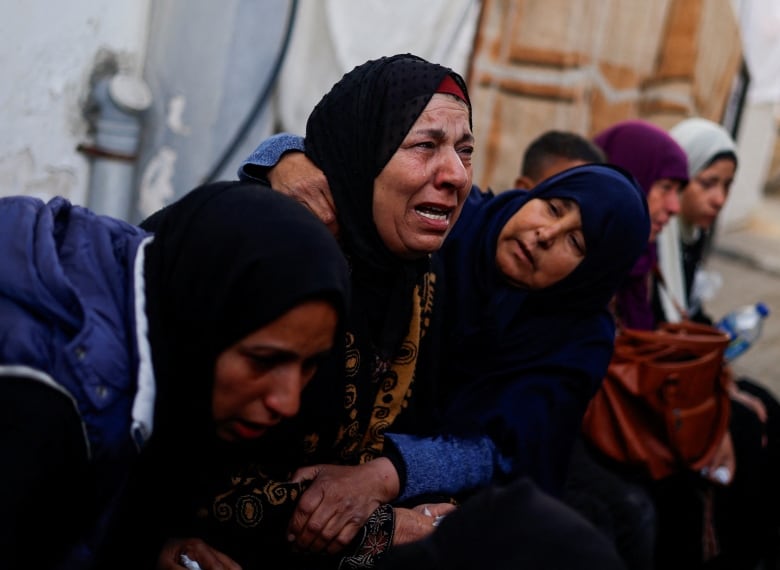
48,49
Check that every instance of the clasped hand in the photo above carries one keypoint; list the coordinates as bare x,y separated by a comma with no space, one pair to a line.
338,502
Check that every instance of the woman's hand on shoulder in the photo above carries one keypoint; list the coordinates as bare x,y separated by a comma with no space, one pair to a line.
298,177
338,502
194,549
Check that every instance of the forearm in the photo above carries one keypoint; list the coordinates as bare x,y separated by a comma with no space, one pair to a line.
445,464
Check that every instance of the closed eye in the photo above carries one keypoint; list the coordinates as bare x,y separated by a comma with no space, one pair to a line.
578,244
263,362
561,206
310,365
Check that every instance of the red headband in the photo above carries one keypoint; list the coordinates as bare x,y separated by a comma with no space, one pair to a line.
450,86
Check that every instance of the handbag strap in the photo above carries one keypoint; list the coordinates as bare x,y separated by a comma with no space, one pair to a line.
662,282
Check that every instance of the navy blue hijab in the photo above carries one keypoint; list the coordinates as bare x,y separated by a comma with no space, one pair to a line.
524,363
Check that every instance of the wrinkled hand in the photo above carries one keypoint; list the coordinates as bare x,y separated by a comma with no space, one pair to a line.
298,177
339,501
417,523
724,463
208,557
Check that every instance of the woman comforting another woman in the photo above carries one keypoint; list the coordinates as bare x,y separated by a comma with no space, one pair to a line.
398,181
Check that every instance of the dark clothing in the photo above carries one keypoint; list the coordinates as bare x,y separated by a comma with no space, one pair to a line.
616,504
46,483
739,511
507,528
692,258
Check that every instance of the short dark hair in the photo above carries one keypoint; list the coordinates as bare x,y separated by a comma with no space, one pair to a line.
558,144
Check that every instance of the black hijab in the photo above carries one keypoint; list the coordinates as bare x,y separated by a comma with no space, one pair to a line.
351,135
227,259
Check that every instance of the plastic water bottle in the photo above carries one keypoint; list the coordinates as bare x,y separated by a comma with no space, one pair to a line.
743,327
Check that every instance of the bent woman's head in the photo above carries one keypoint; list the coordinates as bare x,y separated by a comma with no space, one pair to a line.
573,237
245,290
394,140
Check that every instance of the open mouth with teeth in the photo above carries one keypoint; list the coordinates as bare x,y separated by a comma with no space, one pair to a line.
434,213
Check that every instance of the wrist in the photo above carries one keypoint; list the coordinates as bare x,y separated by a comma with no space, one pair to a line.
388,476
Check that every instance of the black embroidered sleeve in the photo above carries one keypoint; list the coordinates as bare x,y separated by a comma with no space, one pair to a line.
372,542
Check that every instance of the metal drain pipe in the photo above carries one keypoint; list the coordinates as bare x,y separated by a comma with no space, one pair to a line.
118,103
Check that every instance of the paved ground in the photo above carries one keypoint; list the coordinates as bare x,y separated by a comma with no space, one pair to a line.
748,260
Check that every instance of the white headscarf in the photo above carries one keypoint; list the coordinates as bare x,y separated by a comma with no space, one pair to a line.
702,140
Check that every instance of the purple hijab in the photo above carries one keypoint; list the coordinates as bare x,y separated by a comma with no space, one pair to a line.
650,154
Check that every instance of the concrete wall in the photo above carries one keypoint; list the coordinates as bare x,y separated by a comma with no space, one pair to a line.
48,51
205,62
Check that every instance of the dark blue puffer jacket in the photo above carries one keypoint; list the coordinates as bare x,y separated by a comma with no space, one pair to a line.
69,318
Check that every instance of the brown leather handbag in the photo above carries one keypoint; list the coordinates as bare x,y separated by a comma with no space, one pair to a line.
663,405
